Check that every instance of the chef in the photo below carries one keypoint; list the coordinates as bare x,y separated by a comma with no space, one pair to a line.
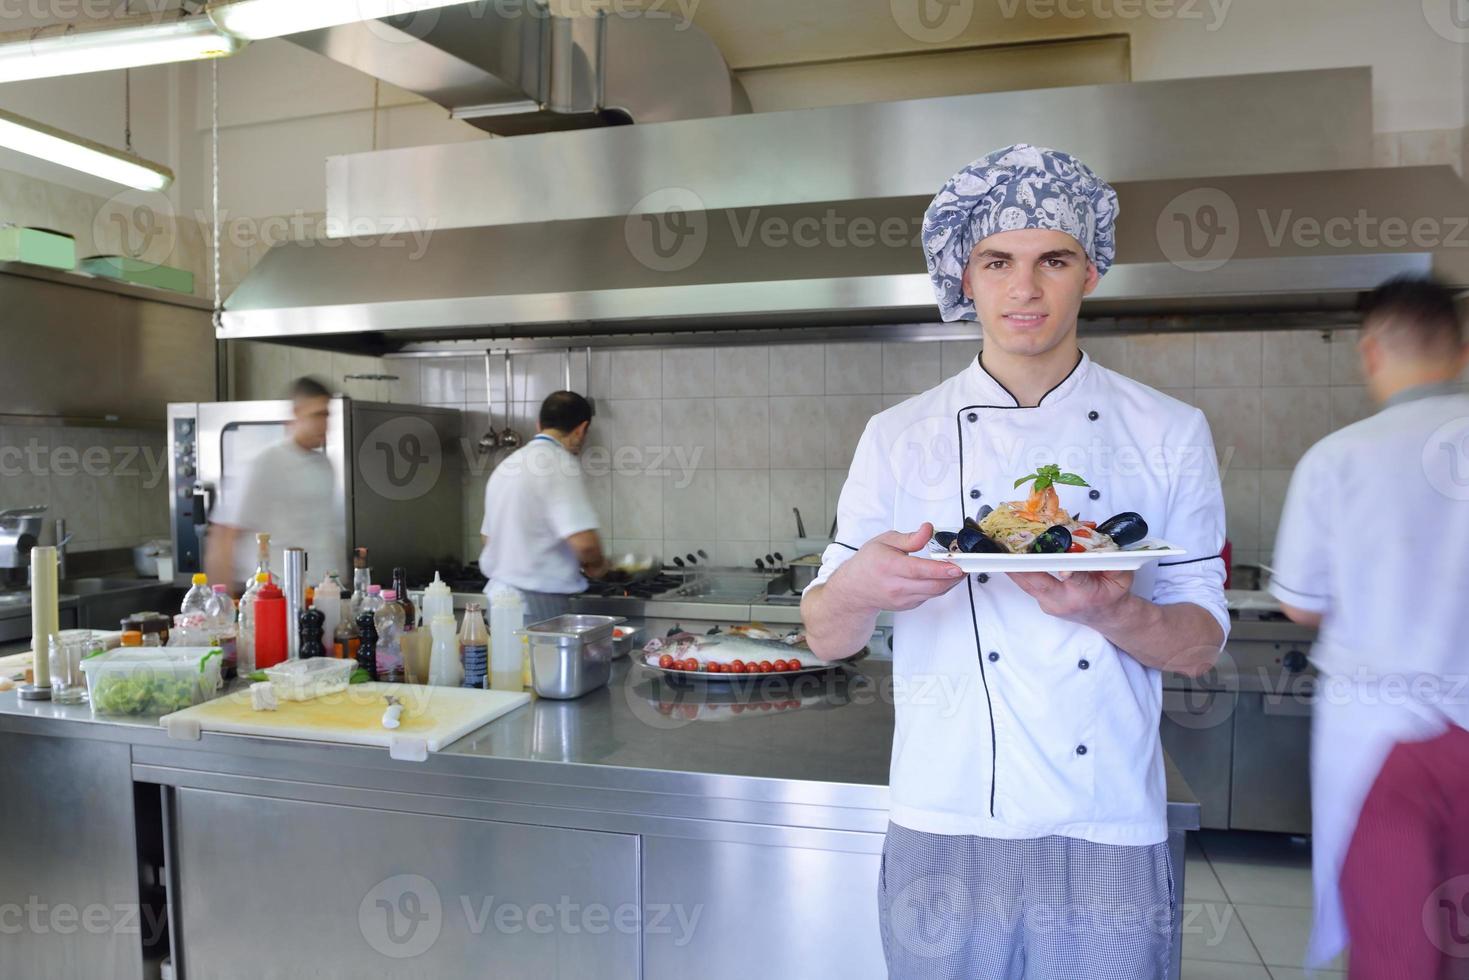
540,530
1028,809
287,493
1372,549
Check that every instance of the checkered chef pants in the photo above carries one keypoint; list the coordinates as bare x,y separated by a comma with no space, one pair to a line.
1052,908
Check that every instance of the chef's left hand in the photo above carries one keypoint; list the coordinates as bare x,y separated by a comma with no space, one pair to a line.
1081,597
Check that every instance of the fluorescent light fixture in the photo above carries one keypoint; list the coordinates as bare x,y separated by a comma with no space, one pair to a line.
132,43
39,140
255,20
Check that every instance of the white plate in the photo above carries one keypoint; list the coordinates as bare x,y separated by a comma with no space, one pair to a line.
1129,559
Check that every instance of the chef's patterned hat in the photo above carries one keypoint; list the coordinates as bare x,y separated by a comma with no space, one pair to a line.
1021,186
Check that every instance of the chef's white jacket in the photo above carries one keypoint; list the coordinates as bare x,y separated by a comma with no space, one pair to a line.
1373,538
1011,723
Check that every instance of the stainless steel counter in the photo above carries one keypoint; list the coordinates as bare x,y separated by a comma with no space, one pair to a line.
760,803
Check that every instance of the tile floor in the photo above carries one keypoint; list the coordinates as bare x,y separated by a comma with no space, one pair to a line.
1247,907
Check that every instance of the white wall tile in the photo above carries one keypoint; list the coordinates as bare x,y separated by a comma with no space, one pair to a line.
637,506
1296,357
1109,352
741,371
537,375
798,432
739,554
742,433
315,363
854,369
1234,416
797,369
1346,362
634,374
846,417
744,504
1242,508
1228,359
689,432
1349,403
688,372
620,423
1162,360
406,390
442,380
956,356
909,368
691,511
1273,486
1295,420
804,489
600,381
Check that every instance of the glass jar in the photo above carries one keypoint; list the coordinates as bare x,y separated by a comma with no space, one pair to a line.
67,651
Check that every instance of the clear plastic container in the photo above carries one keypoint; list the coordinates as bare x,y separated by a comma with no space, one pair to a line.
151,681
302,680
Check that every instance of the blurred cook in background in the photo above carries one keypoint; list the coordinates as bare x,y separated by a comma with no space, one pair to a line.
1374,549
540,530
288,494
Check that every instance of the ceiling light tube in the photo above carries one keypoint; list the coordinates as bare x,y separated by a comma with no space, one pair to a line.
134,43
255,20
39,140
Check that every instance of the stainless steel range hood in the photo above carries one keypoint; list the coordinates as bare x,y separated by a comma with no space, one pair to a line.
1253,168
516,68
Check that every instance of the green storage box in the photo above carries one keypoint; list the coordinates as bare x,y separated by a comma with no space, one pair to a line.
143,273
37,246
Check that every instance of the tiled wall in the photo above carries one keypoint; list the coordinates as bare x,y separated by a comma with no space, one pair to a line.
712,447
109,485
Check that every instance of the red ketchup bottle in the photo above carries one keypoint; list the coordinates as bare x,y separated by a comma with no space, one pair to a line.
270,626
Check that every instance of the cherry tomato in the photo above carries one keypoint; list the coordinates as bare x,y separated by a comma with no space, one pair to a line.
737,666
765,666
715,668
1090,524
666,661
1075,549
1081,532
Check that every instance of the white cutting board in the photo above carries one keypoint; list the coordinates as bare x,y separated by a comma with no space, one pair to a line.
433,717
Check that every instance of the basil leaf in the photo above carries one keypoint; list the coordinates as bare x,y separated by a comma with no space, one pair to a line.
1072,480
1025,479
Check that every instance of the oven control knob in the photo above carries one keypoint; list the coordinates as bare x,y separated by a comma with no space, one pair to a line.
185,470
1295,661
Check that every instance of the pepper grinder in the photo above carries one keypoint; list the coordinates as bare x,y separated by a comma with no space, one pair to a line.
312,625
367,649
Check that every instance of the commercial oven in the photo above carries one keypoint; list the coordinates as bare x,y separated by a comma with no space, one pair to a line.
397,484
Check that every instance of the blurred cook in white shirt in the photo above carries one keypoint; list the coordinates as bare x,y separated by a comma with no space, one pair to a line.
289,493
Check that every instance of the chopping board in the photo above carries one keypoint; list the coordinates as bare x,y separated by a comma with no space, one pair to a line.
433,717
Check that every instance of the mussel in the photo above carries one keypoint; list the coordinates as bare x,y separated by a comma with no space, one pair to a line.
971,540
1052,541
984,512
945,539
1125,528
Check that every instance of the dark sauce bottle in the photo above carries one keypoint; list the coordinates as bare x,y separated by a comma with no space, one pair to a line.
367,649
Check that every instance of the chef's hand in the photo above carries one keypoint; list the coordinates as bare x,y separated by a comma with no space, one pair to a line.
883,576
1081,597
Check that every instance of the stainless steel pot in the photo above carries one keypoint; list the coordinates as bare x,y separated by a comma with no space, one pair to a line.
570,655
803,571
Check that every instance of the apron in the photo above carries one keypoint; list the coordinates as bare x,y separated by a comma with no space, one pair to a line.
1352,733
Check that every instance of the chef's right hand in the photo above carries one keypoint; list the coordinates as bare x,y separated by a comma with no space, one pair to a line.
884,576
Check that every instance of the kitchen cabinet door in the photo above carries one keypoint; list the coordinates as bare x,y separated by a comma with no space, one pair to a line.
285,888
1272,764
